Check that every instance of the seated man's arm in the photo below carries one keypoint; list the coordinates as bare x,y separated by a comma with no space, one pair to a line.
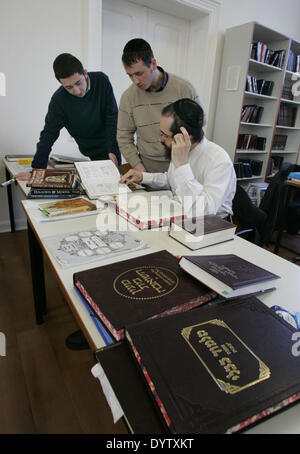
154,180
208,196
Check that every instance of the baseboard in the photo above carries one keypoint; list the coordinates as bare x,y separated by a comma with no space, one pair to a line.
20,224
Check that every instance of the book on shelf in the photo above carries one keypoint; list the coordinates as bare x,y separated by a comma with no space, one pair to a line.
279,142
242,170
259,86
133,290
66,207
293,63
219,368
52,179
255,165
100,178
149,209
251,113
262,53
287,92
277,161
228,275
251,142
196,233
287,115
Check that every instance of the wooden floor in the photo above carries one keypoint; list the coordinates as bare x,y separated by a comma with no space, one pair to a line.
45,388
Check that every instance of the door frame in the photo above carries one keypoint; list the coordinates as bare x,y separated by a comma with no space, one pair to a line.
203,39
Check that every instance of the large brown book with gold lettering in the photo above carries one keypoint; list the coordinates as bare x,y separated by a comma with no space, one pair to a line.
218,368
134,290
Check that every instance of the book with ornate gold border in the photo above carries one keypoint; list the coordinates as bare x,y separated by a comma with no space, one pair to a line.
130,291
218,368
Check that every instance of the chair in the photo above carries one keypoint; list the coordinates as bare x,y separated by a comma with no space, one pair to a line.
273,202
249,218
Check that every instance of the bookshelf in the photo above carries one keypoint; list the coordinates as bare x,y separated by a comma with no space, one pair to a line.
258,115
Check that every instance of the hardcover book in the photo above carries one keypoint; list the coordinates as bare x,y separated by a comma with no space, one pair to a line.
196,233
149,210
228,275
219,368
134,290
52,178
64,207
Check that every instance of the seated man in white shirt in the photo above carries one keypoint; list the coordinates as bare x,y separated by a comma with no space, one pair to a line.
201,174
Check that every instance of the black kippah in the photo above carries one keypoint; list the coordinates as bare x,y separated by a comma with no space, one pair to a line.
189,112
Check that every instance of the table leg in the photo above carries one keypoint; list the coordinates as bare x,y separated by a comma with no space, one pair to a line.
37,275
10,203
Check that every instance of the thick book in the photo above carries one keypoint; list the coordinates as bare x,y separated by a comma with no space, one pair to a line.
149,210
228,275
100,178
196,233
66,207
219,368
134,290
52,178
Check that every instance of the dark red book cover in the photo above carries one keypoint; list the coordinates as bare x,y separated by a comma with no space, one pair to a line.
130,291
52,178
218,368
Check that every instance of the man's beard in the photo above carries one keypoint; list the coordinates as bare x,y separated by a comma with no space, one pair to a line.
168,151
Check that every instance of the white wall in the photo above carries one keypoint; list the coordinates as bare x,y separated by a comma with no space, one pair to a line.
32,34
280,15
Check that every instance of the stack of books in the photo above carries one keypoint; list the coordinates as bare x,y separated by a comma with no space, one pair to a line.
53,184
209,361
251,113
64,162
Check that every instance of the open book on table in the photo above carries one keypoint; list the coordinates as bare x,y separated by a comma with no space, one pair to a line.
100,178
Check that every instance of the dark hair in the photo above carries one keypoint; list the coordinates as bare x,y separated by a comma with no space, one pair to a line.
135,50
187,113
65,65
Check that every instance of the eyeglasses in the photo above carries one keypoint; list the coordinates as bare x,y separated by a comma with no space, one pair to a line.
166,136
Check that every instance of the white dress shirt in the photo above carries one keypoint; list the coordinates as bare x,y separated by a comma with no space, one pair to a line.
205,185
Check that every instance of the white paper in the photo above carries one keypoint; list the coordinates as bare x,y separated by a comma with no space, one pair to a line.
111,398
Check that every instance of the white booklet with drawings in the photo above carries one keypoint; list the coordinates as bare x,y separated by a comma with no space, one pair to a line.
100,178
81,247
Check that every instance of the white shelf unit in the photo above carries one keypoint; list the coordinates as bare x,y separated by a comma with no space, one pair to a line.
237,64
292,133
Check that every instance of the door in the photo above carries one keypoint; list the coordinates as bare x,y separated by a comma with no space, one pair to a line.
124,20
